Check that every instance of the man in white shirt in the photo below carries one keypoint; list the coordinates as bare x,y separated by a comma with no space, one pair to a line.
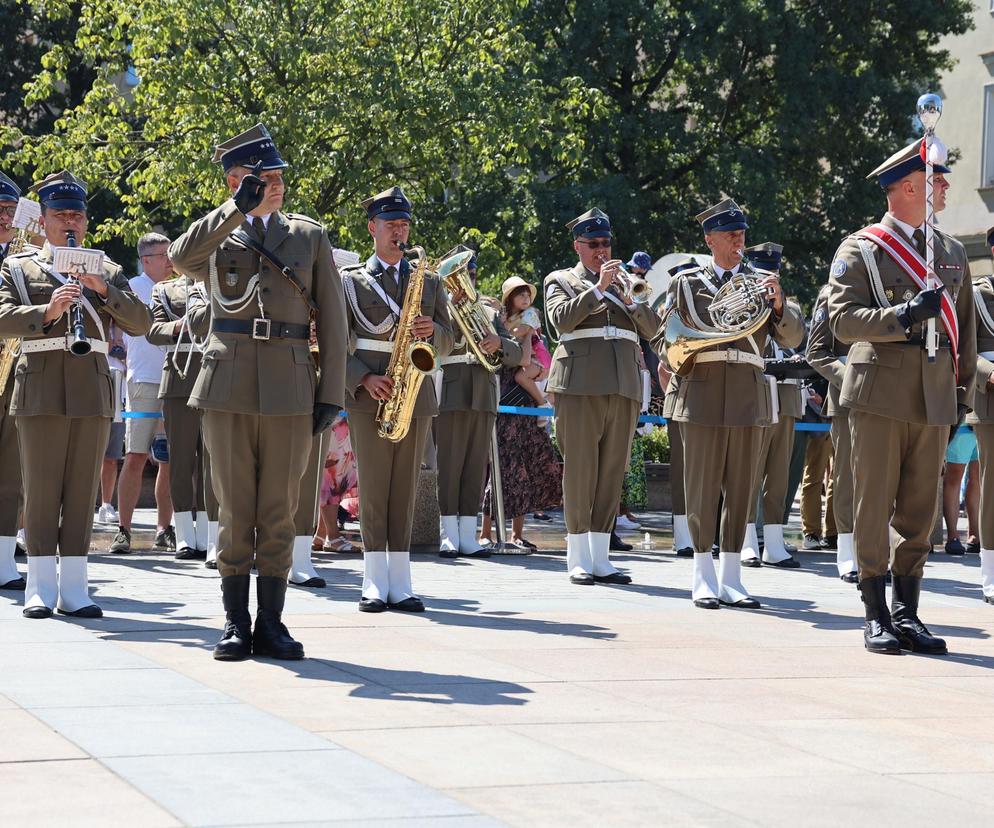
144,362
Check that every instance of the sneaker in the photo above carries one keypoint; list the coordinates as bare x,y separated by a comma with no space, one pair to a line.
955,548
166,539
811,542
108,514
121,545
624,522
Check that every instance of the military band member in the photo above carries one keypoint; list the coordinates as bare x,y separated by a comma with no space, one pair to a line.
257,386
388,471
10,461
982,420
901,405
722,405
63,402
596,377
467,415
305,519
773,466
828,355
181,317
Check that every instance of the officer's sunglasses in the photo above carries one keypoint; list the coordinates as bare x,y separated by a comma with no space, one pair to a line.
593,245
8,211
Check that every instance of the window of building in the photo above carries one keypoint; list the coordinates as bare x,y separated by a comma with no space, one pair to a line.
987,150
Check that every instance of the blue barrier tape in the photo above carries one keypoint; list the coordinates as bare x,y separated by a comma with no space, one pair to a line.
140,415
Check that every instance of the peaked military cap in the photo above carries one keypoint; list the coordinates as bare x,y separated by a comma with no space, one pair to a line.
990,237
904,162
61,191
723,217
388,205
9,191
591,225
249,148
765,256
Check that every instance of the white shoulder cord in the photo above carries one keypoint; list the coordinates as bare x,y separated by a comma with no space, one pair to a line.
383,327
877,286
234,305
983,312
195,344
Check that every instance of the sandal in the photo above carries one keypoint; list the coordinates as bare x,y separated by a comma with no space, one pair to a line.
521,543
317,544
339,544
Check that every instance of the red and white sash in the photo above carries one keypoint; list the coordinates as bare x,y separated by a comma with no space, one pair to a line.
910,261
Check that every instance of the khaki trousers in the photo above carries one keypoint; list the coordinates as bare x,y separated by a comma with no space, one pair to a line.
462,441
388,480
817,464
188,481
842,483
61,459
985,449
895,469
719,460
676,467
595,438
257,461
772,471
305,519
11,495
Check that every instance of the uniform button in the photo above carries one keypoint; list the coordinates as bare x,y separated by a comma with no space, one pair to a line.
265,290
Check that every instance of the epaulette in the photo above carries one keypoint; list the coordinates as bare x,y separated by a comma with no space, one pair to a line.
301,217
351,268
567,271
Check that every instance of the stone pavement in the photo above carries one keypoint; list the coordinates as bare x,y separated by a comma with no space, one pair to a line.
517,699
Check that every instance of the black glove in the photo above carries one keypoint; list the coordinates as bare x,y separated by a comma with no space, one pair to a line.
248,196
324,416
926,305
961,412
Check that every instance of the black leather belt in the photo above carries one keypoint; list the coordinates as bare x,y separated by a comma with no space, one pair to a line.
919,341
262,328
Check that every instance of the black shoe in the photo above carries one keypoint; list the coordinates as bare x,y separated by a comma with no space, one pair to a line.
89,611
752,563
448,553
707,603
878,632
714,550
36,612
541,516
17,585
583,579
913,634
187,553
743,603
811,543
613,578
685,552
121,545
973,547
270,637
618,545
786,563
830,542
20,551
955,548
236,640
412,604
372,605
210,564
850,577
166,539
988,599
311,583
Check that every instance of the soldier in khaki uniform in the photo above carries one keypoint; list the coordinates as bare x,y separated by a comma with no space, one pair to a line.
900,405
464,429
181,313
596,376
722,405
10,461
828,355
63,402
257,385
773,466
982,420
388,471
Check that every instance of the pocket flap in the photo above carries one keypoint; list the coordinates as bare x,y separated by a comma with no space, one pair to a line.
220,350
864,353
302,355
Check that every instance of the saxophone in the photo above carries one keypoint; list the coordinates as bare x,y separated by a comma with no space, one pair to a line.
411,360
10,349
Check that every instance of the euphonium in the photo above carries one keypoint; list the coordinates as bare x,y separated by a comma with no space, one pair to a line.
411,360
471,316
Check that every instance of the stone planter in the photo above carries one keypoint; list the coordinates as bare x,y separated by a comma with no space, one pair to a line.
657,485
425,529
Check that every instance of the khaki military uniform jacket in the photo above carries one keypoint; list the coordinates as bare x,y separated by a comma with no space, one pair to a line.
364,302
244,375
171,301
595,366
58,382
472,387
723,393
885,373
983,402
827,355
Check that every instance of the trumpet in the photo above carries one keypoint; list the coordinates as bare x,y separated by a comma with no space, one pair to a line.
629,284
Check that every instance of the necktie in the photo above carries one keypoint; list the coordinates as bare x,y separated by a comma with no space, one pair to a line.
259,228
390,281
919,237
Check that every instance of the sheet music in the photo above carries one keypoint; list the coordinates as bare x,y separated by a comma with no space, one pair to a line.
344,258
71,261
28,215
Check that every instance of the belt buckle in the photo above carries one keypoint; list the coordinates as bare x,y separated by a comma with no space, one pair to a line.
610,332
262,328
732,355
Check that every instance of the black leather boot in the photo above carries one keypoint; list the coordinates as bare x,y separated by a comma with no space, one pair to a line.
878,634
236,641
271,638
913,634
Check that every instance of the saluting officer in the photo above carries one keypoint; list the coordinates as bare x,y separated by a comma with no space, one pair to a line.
597,379
901,405
463,430
982,420
388,471
773,466
828,355
722,405
268,275
63,402
181,316
10,460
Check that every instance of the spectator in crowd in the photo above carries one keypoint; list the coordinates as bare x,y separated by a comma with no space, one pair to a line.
114,454
962,456
340,485
144,364
817,470
524,324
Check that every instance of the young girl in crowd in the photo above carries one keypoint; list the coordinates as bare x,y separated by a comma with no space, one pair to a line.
524,324
339,488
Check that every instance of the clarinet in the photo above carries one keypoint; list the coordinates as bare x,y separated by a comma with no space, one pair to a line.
80,342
